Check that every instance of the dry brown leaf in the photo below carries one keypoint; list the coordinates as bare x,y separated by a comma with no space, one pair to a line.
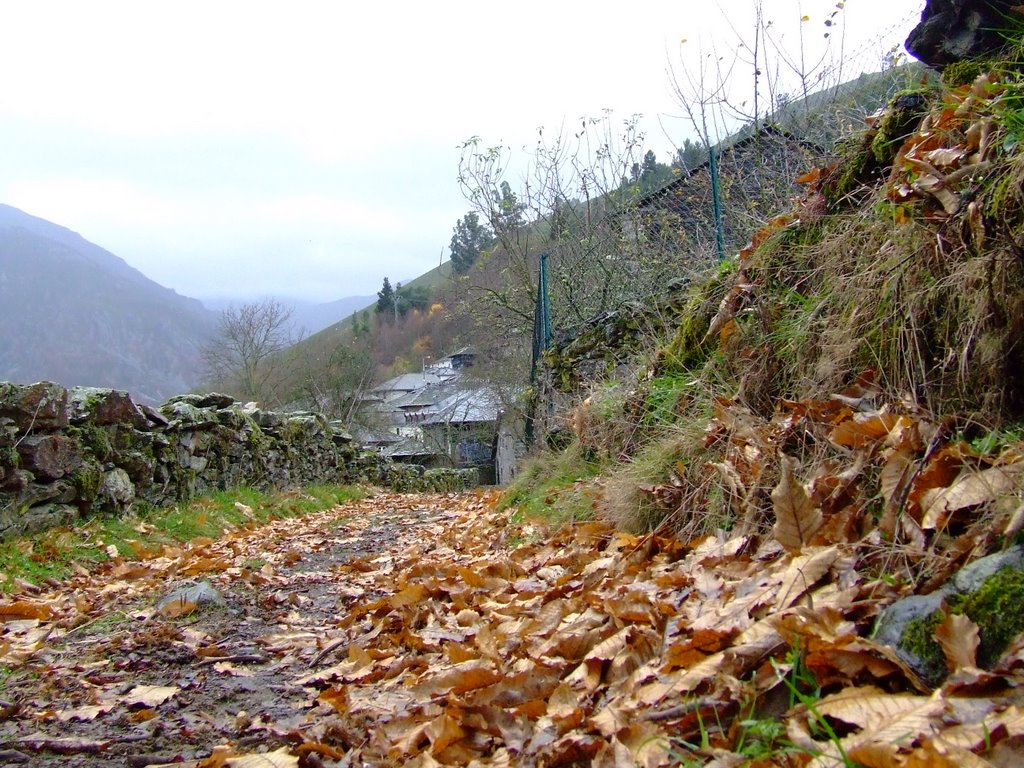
442,732
803,573
970,489
460,678
1015,523
959,638
945,157
875,754
934,754
227,668
796,520
869,707
614,754
149,695
864,429
278,759
24,609
175,608
84,713
895,474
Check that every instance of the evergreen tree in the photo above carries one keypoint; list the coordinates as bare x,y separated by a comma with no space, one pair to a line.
471,238
654,175
386,298
650,163
508,211
559,221
690,155
413,297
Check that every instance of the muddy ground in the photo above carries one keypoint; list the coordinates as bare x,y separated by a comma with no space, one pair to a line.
127,684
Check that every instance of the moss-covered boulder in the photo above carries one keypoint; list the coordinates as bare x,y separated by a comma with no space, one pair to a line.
990,592
39,406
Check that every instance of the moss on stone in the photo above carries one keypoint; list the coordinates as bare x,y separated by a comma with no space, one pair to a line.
904,112
9,456
994,607
87,479
856,163
689,348
94,439
963,72
919,639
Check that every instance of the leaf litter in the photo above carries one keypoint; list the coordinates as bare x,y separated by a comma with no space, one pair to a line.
420,630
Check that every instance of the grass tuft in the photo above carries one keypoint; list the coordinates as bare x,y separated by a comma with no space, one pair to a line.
54,554
555,487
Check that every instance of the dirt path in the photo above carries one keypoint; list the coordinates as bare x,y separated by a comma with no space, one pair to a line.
109,681
433,631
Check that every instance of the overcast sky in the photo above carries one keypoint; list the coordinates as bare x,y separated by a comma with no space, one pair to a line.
309,149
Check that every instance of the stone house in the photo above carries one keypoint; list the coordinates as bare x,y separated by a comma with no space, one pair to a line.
438,417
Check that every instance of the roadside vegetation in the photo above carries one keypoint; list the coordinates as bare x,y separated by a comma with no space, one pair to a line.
52,555
895,284
848,382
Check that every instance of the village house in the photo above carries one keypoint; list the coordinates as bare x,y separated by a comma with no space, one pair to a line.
437,417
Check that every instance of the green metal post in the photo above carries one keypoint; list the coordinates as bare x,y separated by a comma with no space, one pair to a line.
545,302
541,338
716,199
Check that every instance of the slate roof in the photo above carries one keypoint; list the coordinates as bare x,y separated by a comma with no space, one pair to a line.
467,406
408,448
409,382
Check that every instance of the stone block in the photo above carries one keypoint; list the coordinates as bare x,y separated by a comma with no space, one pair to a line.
50,456
104,406
34,407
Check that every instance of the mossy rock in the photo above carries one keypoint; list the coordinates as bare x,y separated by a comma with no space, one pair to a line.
989,592
865,155
689,347
9,456
994,607
94,439
964,72
900,118
87,480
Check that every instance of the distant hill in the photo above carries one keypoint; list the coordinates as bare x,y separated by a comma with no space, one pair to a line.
77,314
307,317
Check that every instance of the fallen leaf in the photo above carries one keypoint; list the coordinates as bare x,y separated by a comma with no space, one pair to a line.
863,429
796,519
959,638
277,759
970,489
149,695
84,714
25,609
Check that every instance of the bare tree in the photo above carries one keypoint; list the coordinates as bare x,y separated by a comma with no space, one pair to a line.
331,380
577,194
241,354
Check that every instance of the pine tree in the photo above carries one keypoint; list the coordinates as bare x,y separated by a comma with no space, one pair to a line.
471,238
386,298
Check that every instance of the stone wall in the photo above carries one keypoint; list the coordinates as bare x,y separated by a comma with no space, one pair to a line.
65,453
604,348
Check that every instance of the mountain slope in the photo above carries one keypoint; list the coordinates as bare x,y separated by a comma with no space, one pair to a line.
77,314
307,317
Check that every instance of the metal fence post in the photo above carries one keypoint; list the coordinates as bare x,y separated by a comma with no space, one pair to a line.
541,340
716,199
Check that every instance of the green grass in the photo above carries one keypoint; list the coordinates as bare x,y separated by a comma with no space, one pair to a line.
998,440
55,553
553,487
